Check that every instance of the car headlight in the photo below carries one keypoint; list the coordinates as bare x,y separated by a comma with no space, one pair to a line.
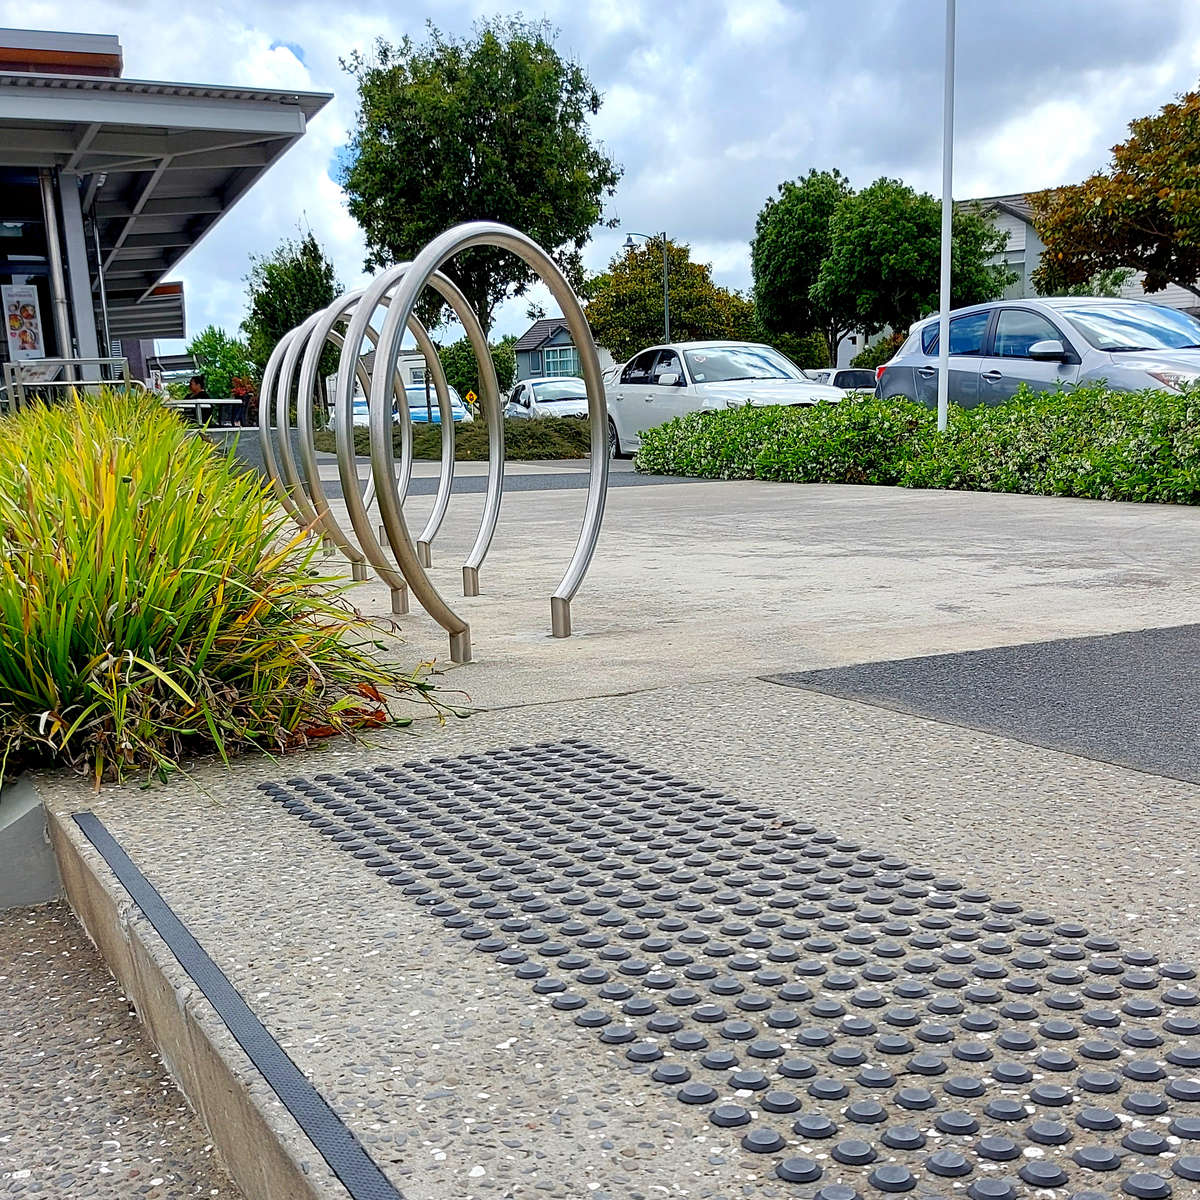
1175,380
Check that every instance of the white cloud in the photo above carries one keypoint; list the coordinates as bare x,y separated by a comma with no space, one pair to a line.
709,104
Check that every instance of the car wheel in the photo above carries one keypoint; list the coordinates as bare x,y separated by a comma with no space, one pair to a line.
614,442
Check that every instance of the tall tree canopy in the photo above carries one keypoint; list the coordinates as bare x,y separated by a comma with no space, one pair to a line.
219,358
884,254
462,369
791,240
625,308
1143,212
490,127
286,287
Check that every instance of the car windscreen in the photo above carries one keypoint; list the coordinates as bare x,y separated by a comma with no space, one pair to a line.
416,397
717,364
566,389
1118,327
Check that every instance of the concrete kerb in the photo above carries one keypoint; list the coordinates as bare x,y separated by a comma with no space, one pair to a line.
28,874
260,1144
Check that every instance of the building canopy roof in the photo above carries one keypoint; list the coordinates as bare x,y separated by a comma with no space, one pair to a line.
162,161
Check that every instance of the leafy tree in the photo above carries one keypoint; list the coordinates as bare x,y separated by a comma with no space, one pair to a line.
791,241
1143,212
219,358
462,371
879,352
492,127
1103,283
626,305
884,254
286,287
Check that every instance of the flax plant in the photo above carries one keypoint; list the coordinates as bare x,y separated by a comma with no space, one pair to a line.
156,604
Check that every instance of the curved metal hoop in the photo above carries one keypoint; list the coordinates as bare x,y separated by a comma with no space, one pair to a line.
299,486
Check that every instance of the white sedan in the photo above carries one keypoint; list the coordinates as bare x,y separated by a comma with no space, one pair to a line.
686,377
548,396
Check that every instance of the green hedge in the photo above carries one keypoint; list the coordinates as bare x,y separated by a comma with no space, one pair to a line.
547,437
1087,442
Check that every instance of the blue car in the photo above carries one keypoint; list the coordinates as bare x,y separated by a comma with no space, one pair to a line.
418,410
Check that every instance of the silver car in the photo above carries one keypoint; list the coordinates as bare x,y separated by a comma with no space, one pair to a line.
548,396
1068,340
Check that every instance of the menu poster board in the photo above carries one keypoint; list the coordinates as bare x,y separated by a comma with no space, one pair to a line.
22,321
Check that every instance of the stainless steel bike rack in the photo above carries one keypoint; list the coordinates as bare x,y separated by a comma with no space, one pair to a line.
349,324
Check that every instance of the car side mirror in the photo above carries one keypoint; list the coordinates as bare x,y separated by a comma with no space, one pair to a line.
1051,350
668,379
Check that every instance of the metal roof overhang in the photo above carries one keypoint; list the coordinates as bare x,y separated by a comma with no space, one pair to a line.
159,314
162,162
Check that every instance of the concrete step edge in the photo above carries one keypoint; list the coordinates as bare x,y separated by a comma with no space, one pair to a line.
263,1148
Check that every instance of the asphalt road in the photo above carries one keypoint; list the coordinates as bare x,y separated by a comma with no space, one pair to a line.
1128,698
621,472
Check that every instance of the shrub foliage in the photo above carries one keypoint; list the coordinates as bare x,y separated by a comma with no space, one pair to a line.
547,437
153,604
1087,442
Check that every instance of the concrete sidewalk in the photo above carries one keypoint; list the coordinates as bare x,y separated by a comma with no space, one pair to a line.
724,581
463,1081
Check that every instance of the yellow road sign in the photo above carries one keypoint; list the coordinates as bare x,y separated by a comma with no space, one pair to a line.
471,397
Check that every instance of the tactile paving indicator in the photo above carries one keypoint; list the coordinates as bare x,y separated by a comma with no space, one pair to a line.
865,1025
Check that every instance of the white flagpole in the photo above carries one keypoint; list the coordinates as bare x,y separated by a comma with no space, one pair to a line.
947,212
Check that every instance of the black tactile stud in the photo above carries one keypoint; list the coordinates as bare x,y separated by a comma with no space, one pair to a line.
729,1115
854,1152
1097,1158
814,1125
1187,1166
837,1191
1145,1141
903,1137
949,1163
799,1170
997,1148
689,930
762,1140
892,1177
1040,1174
1147,1186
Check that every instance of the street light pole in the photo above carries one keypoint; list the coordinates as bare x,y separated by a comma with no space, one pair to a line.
666,294
943,393
666,291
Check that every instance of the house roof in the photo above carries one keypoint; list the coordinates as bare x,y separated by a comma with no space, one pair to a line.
1018,205
539,333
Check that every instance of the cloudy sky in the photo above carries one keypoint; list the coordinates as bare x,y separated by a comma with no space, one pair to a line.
708,104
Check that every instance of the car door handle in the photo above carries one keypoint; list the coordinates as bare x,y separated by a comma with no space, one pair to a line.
927,372
648,399
992,376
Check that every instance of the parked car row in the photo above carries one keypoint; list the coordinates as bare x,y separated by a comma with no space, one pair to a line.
994,349
668,381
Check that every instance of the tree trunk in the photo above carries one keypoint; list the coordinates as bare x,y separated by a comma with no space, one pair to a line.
835,337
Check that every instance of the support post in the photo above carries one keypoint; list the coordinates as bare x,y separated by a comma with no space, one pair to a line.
82,307
58,286
943,395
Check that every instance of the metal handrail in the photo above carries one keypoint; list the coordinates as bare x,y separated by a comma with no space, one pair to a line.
20,374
